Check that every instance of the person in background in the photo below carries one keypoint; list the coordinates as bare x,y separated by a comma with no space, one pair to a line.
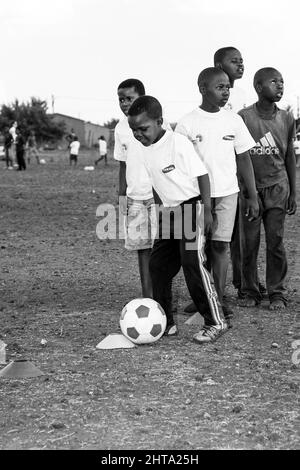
74,150
102,150
20,149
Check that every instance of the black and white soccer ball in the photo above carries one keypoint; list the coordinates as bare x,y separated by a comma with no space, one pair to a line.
143,321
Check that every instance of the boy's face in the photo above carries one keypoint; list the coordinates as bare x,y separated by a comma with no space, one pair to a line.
271,86
126,97
233,65
217,91
145,129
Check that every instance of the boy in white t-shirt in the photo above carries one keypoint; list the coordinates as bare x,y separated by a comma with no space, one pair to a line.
135,189
74,150
102,150
222,141
178,176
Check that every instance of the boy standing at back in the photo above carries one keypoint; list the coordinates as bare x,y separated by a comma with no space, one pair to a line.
273,160
177,174
222,142
135,189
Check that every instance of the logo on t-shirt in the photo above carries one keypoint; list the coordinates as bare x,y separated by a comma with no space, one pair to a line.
265,146
229,137
168,168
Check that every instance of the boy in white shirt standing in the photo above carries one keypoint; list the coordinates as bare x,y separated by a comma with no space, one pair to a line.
222,141
135,189
74,150
178,176
102,150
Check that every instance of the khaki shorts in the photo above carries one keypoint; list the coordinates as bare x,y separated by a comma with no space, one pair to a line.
224,211
140,224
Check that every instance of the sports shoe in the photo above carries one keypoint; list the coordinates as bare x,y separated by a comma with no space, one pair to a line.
208,334
171,330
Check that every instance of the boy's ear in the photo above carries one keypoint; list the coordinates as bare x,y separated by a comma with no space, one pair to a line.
258,88
202,90
219,65
160,121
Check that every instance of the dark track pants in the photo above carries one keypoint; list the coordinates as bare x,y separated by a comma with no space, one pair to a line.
273,203
179,244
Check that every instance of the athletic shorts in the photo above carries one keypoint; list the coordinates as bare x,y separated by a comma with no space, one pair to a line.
224,211
140,224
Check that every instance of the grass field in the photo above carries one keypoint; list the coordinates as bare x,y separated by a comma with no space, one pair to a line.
59,282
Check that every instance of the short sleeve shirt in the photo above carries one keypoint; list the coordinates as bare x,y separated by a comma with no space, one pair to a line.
274,140
217,138
173,167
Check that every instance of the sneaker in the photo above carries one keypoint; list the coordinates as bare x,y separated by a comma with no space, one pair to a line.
171,330
208,334
191,308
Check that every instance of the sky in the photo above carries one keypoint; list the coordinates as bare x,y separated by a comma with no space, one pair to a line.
78,51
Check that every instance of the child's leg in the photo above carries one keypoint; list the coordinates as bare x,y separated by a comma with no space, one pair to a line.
250,241
198,279
273,218
235,253
139,237
164,265
144,258
220,262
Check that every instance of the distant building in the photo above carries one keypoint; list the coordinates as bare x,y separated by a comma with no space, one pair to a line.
87,132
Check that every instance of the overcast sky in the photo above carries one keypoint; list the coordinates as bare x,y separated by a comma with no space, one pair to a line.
80,50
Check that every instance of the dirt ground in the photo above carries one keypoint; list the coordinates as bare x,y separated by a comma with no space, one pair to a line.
60,283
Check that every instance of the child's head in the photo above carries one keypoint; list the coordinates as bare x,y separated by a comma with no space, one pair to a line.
230,60
75,137
268,84
128,91
214,87
145,120
101,137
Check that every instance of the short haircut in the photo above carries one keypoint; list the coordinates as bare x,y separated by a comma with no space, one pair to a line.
133,83
207,74
221,54
261,74
146,104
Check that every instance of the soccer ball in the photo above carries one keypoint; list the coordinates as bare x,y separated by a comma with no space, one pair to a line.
143,321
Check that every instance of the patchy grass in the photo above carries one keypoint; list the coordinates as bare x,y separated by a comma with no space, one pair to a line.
60,283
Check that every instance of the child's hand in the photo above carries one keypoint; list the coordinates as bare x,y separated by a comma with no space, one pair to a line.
251,208
291,205
208,222
123,205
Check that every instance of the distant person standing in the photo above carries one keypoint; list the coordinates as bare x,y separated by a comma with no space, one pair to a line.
74,150
20,150
8,140
32,148
102,150
13,133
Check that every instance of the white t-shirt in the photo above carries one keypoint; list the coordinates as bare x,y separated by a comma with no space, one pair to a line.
237,100
74,147
102,147
173,167
216,138
129,150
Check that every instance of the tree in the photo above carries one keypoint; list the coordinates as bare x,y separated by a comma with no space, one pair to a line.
32,115
111,123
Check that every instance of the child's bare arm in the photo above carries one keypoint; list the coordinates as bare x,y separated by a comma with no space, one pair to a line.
122,179
246,175
204,186
290,164
157,199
